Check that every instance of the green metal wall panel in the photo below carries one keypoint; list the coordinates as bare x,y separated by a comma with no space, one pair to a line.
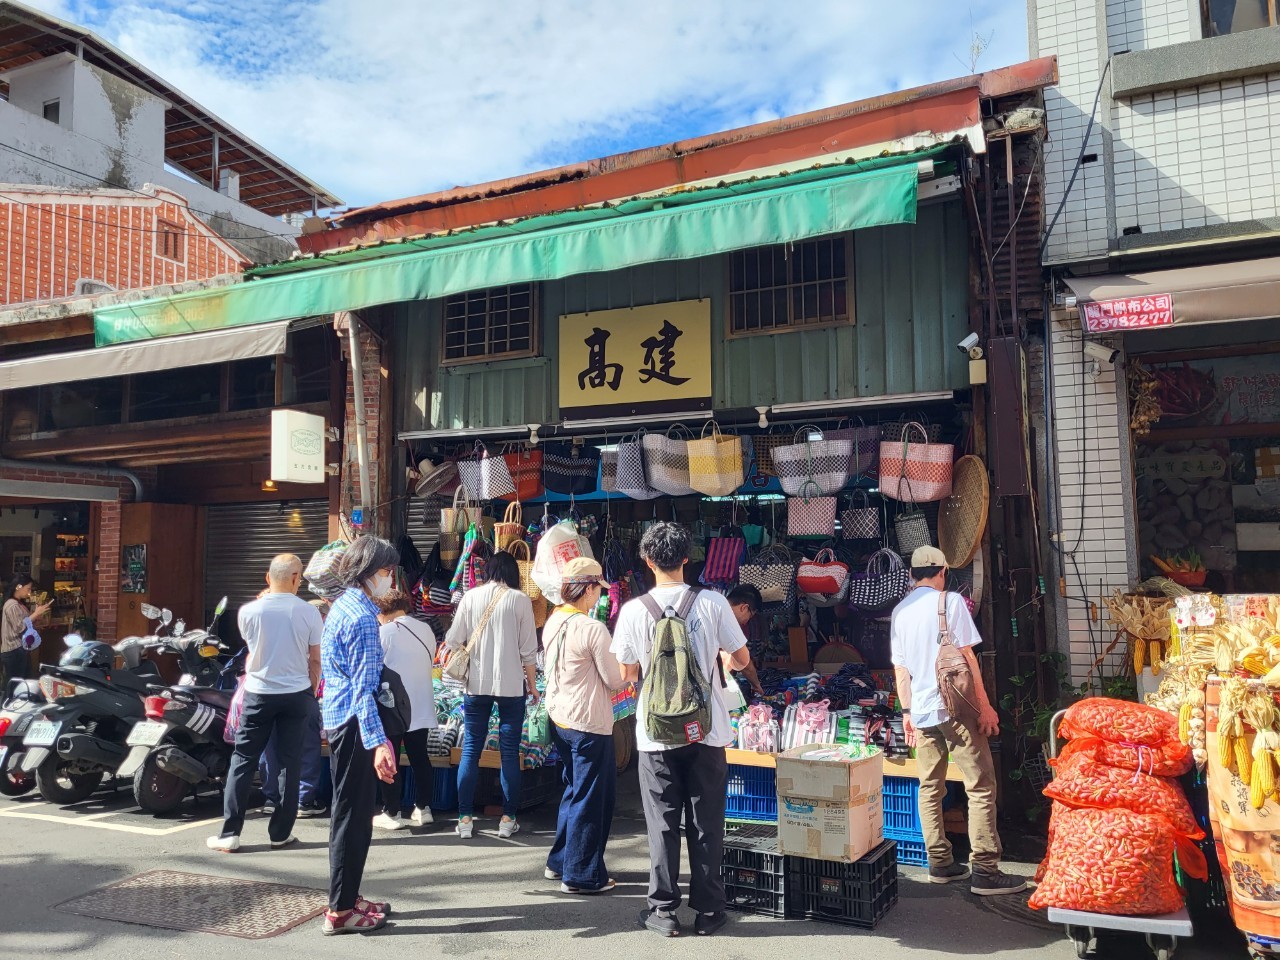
910,301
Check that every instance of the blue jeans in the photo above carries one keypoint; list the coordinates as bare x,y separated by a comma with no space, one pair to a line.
475,729
590,775
312,767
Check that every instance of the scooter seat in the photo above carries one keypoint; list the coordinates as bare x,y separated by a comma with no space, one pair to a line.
214,698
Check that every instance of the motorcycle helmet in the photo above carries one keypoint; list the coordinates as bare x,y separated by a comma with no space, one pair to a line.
97,655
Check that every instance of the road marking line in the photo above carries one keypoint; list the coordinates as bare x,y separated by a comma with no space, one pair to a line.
118,827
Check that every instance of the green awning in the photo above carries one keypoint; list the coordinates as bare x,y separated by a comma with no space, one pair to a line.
606,238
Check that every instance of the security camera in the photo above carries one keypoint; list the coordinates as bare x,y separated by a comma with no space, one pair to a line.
1100,352
968,343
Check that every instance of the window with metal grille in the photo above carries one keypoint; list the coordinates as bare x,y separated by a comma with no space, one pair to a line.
490,324
790,285
1236,16
169,240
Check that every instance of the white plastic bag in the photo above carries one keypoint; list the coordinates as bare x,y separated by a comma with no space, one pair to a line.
556,548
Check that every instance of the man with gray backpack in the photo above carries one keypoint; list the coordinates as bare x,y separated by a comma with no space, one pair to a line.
670,640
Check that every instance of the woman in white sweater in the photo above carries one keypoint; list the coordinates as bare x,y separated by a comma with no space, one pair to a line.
495,623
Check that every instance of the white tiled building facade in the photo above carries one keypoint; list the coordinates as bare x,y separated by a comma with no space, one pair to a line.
1185,147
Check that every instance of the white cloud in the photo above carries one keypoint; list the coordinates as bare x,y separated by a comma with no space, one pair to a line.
378,99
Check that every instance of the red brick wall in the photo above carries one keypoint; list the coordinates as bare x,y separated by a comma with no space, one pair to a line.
50,239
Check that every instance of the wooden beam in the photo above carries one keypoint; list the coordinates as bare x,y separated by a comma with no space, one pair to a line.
40,330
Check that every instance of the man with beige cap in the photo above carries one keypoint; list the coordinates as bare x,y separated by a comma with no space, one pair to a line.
915,637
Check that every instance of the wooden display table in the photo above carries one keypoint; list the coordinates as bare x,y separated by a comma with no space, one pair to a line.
893,766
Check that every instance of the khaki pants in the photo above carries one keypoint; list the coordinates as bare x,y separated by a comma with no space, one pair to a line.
973,755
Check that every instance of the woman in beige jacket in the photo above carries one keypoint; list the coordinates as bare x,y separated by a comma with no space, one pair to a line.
581,677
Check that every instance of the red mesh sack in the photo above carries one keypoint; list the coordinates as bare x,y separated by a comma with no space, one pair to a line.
1115,861
1119,721
1083,782
1170,760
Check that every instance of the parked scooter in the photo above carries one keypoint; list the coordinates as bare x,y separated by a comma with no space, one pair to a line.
21,703
180,747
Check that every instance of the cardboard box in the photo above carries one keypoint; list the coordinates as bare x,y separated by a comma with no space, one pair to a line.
825,830
808,771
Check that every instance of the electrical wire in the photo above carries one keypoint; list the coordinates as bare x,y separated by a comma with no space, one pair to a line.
1075,171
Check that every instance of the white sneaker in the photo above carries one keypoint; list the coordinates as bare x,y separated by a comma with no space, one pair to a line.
223,844
507,827
387,822
465,828
422,816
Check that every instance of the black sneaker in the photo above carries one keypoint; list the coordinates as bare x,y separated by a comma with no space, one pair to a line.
948,874
709,923
664,922
996,884
310,810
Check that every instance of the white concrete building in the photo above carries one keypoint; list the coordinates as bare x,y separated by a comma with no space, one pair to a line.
1162,167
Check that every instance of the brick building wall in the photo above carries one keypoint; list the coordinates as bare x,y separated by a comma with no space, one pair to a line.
376,384
51,237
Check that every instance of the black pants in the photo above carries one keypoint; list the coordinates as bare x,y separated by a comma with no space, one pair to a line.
415,746
351,823
285,714
17,663
686,782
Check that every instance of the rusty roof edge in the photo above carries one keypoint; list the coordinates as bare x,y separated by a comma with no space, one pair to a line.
1021,77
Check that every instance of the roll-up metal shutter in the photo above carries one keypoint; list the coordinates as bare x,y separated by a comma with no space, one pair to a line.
240,540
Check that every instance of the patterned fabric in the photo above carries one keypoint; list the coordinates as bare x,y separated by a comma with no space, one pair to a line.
632,480
666,461
916,472
715,463
823,463
864,455
724,557
351,664
912,529
811,517
567,469
860,522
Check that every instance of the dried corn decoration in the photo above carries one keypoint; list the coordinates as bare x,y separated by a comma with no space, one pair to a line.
1262,785
1139,654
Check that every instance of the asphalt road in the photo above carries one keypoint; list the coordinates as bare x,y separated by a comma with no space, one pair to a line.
480,898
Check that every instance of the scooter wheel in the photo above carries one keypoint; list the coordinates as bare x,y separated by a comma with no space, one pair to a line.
156,791
58,785
16,783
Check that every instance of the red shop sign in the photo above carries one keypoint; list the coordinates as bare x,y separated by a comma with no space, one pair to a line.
1128,313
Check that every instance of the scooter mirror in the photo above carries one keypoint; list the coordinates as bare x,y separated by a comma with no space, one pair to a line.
221,608
166,616
180,628
150,612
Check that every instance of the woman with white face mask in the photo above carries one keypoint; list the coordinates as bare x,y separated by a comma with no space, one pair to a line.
494,622
351,663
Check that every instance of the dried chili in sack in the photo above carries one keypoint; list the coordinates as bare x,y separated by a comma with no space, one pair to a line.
1119,721
1082,782
1170,760
1116,862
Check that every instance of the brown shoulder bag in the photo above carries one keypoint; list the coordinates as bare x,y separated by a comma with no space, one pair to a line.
956,683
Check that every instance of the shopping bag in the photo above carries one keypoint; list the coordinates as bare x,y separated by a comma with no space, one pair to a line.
511,528
864,440
235,711
666,460
773,573
525,466
885,581
806,723
824,574
715,463
860,522
811,517
609,471
812,459
569,469
912,529
759,732
632,480
916,472
556,548
724,557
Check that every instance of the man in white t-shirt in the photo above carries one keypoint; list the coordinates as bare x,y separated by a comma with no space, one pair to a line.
690,779
282,633
914,637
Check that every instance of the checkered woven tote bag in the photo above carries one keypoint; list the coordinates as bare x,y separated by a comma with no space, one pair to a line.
609,471
715,463
860,522
666,460
914,472
570,469
885,581
471,473
525,464
864,455
773,573
632,479
894,429
911,527
811,517
813,459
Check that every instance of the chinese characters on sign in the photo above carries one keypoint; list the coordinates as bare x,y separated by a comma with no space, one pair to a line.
1128,313
297,447
653,358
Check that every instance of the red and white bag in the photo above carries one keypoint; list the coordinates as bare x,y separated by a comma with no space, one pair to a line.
805,723
823,574
915,472
759,731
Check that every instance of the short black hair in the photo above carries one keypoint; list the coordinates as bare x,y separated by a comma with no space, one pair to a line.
502,568
748,594
666,545
925,573
365,557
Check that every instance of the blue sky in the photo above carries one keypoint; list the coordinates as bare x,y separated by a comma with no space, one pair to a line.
379,99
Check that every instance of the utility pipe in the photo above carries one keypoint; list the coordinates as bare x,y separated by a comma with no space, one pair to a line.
362,436
52,467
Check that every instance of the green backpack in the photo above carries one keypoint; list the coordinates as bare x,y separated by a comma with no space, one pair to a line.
675,697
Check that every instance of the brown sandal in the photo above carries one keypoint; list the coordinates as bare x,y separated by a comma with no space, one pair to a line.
351,921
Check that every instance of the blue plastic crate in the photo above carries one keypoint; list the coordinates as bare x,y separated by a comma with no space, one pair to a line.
911,850
751,794
901,806
444,788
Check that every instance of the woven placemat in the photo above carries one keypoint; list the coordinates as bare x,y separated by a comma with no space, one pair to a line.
962,519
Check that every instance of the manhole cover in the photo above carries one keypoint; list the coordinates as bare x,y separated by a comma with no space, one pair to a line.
1015,908
190,901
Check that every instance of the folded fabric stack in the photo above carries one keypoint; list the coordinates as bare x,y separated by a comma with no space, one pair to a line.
852,684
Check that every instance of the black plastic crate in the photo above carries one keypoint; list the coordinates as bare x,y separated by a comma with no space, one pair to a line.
858,894
754,872
537,786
